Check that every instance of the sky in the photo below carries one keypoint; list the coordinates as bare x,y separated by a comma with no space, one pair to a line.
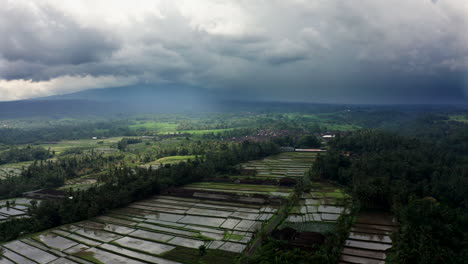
330,51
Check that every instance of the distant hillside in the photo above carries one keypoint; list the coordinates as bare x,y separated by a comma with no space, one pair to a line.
130,99
139,93
168,99
30,108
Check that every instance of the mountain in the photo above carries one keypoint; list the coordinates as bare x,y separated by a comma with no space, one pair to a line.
128,99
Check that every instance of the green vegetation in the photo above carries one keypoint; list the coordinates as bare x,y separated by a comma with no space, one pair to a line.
89,256
154,126
423,183
459,118
15,155
172,159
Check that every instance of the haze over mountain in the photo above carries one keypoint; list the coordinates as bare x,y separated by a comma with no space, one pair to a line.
374,51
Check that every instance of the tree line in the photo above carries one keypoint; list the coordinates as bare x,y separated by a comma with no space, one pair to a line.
28,153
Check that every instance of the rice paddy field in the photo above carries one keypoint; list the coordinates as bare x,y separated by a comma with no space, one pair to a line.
170,228
369,238
286,164
236,188
318,210
168,160
14,208
101,145
81,183
13,169
149,231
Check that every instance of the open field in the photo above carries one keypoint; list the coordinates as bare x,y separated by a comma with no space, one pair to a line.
61,146
197,132
170,160
286,164
459,118
154,126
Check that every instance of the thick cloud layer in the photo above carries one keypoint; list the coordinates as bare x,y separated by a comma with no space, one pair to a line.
372,51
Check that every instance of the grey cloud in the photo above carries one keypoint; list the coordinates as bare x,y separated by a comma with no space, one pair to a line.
44,35
296,50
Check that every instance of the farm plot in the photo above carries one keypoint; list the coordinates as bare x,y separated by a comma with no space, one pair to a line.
81,183
169,160
13,169
100,145
241,188
286,164
14,208
147,232
169,229
318,209
369,238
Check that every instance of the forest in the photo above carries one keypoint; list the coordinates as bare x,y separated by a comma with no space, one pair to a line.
422,180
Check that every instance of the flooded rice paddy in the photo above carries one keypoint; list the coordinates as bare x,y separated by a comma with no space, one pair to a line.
149,231
369,238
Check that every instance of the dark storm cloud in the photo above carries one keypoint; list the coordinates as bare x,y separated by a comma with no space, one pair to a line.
44,36
335,51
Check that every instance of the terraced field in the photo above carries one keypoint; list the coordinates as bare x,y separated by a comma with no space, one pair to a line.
369,239
222,216
168,160
17,208
13,169
286,164
153,231
236,188
319,209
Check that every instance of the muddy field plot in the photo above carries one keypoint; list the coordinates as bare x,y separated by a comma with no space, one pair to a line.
14,208
235,188
286,164
319,209
146,232
369,238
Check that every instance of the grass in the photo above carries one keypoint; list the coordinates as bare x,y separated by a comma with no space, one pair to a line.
337,195
76,187
61,146
171,160
342,127
89,256
17,165
192,256
228,236
154,126
459,118
199,132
